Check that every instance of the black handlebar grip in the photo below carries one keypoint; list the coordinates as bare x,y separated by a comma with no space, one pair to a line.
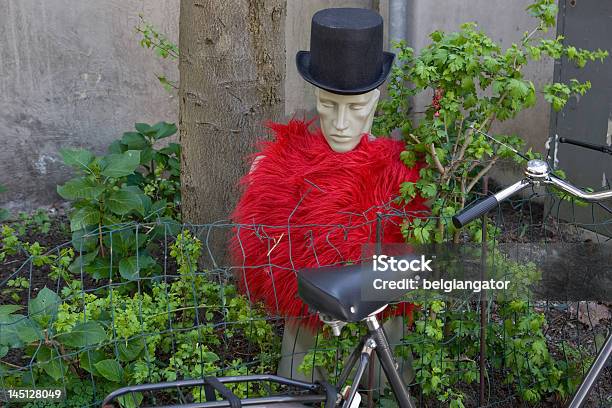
474,211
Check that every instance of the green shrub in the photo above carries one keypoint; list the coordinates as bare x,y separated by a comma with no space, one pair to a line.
99,341
475,84
135,182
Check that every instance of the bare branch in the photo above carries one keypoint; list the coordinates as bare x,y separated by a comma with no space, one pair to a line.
416,139
481,174
436,159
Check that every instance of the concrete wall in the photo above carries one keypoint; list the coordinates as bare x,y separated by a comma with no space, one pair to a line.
73,74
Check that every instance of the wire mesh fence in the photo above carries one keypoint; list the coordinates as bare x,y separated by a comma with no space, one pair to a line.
148,303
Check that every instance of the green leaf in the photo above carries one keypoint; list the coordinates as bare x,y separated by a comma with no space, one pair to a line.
143,128
83,218
51,362
15,330
435,381
156,210
83,335
164,130
172,148
122,202
6,310
209,357
81,187
517,88
100,268
79,158
131,349
146,155
110,369
44,306
120,165
117,147
131,400
428,190
82,261
120,241
408,189
83,240
3,351
29,332
130,268
134,140
89,358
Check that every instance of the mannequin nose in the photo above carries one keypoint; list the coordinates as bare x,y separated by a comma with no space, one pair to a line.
341,123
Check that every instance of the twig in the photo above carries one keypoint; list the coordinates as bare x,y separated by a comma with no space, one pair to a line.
441,169
465,145
535,30
170,51
459,134
11,365
480,174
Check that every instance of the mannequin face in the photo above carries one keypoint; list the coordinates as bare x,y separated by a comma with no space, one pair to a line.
345,118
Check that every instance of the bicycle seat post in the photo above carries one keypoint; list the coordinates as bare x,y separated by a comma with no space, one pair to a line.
387,361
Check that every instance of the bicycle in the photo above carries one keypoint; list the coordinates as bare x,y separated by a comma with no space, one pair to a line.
335,294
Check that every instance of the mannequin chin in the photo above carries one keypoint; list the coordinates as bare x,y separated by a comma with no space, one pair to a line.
345,118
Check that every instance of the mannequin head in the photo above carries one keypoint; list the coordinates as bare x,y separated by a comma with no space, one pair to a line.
345,118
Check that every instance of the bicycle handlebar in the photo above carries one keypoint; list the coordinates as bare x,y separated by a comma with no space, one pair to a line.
537,172
592,146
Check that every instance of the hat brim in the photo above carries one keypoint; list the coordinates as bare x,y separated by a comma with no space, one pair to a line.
302,60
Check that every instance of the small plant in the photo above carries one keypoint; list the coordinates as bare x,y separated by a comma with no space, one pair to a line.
151,38
11,245
331,352
135,182
38,221
160,179
14,288
59,268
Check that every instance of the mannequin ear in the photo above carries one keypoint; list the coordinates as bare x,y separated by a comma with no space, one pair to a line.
375,97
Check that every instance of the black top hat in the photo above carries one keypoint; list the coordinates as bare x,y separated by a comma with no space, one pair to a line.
346,51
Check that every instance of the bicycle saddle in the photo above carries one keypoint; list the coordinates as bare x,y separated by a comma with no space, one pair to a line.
335,291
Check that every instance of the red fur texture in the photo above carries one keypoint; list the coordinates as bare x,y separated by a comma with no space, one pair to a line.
304,205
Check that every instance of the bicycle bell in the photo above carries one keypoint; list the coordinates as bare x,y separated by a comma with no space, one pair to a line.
537,170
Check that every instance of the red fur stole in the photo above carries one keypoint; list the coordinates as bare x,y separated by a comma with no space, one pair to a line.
305,205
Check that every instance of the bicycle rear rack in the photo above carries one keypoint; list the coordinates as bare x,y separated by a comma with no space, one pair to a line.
304,392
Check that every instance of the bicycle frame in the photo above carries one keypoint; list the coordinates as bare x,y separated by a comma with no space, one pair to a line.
322,393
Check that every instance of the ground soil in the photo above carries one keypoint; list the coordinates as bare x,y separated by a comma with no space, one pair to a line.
17,267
